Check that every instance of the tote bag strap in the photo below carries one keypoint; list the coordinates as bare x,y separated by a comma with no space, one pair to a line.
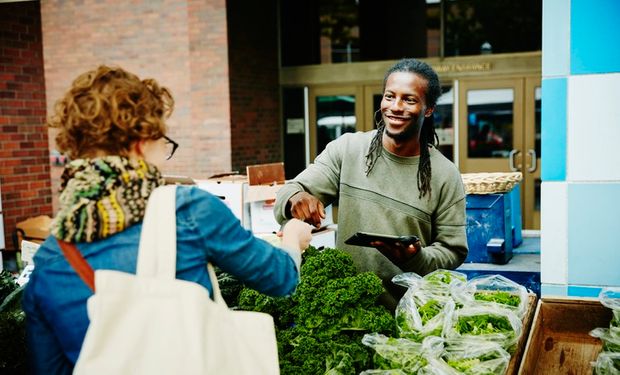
217,295
79,264
158,240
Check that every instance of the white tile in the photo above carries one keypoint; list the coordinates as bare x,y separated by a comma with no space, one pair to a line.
593,127
554,233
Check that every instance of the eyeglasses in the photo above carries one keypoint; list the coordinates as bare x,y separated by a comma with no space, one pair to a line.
171,147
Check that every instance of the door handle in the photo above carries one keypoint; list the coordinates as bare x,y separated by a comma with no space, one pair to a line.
511,160
534,164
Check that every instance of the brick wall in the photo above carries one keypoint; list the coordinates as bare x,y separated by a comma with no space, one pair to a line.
254,86
181,43
24,158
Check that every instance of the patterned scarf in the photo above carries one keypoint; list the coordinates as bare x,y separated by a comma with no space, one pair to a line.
103,196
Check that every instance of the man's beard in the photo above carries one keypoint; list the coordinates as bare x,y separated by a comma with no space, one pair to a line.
411,131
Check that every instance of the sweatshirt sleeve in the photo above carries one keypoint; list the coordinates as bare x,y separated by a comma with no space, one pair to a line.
321,179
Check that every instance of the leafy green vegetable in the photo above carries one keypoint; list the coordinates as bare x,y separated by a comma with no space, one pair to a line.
483,324
7,284
443,277
429,310
320,327
396,354
464,365
230,287
615,321
607,364
498,296
13,334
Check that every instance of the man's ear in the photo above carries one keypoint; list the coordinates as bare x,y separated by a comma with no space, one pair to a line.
429,111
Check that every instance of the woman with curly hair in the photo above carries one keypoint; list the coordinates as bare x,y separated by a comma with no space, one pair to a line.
112,126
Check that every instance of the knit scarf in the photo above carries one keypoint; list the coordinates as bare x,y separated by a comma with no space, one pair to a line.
103,196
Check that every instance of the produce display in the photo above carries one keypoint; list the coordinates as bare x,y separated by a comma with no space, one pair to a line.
608,361
333,324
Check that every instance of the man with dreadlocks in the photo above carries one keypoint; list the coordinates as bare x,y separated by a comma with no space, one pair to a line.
391,181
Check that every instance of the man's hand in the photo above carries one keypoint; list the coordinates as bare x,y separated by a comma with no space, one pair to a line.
398,253
308,208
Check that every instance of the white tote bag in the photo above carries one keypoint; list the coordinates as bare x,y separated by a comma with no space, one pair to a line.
152,323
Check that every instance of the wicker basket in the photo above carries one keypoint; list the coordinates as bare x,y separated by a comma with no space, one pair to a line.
489,183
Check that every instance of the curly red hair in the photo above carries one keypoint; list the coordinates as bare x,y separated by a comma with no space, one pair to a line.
107,110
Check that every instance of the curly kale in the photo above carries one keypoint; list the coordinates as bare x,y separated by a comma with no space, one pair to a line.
319,329
280,308
7,284
230,287
13,338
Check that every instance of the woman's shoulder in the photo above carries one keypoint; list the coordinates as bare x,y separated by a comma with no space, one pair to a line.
194,201
193,194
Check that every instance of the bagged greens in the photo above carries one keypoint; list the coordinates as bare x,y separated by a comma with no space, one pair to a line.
490,323
610,298
421,311
476,357
611,343
493,290
402,354
607,364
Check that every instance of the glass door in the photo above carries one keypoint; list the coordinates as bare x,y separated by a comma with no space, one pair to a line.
531,170
499,127
490,126
333,112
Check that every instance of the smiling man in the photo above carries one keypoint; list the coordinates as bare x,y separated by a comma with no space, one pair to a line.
392,181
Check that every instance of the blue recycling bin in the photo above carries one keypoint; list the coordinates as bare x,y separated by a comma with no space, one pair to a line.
493,226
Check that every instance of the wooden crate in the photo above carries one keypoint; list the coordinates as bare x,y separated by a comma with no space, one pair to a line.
559,340
515,359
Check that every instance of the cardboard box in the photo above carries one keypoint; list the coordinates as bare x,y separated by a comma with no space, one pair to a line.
252,204
261,200
35,229
559,341
231,190
322,239
325,238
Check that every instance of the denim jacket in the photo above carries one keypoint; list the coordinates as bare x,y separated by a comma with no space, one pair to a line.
207,231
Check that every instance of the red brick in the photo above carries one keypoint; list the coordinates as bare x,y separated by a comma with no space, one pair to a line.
24,165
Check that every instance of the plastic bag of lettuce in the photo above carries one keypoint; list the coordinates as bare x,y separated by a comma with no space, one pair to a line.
421,312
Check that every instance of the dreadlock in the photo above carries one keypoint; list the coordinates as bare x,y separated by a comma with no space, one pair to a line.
427,133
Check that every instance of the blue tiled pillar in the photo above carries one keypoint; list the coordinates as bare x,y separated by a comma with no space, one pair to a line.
580,251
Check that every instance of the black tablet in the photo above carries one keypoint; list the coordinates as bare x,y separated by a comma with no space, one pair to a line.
365,238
